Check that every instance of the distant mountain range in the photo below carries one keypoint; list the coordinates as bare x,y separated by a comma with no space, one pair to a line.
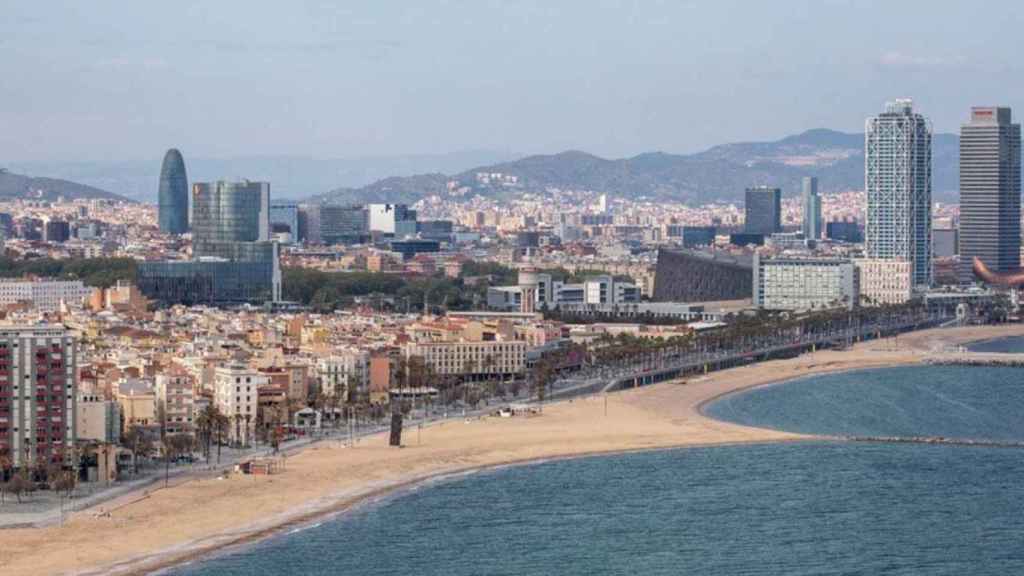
290,177
720,173
17,186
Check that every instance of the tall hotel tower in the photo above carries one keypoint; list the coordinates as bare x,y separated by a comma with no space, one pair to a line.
898,181
989,192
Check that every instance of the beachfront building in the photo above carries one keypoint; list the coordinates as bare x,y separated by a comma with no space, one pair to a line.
473,359
38,394
236,395
175,402
45,295
898,184
989,192
343,374
884,281
804,283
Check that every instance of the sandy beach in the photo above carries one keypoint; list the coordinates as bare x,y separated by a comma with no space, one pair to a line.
199,516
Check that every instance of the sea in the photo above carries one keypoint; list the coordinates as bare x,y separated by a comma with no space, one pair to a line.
799,508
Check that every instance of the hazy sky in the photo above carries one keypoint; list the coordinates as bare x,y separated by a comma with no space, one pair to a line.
114,80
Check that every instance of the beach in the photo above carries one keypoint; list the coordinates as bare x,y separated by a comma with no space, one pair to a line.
163,527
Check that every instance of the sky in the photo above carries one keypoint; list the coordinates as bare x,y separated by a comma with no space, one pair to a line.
111,81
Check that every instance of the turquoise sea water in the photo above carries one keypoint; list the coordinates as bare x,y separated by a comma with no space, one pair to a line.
774,509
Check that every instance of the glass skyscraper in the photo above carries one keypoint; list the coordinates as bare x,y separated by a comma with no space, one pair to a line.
763,210
172,216
234,262
344,224
989,192
898,182
229,212
812,209
284,219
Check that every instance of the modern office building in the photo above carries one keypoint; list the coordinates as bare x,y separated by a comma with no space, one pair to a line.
843,231
692,236
763,209
537,291
391,218
410,248
172,195
435,230
698,276
57,231
234,260
945,242
747,239
229,212
284,221
811,202
344,224
898,182
309,223
212,281
804,283
989,192
38,394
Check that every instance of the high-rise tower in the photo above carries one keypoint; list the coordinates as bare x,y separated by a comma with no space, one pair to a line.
989,192
173,194
229,212
812,209
763,209
898,182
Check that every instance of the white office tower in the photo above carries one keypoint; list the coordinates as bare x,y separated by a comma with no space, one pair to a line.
898,182
811,202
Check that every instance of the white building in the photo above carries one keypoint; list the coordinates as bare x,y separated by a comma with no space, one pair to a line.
384,217
343,374
44,295
884,281
898,182
494,358
236,395
536,291
804,283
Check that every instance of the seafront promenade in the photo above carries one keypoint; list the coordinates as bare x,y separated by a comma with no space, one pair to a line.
202,515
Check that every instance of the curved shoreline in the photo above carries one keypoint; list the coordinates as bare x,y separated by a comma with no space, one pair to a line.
341,508
200,517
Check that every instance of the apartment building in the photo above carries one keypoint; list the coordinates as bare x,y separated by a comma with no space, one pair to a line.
236,395
175,402
38,394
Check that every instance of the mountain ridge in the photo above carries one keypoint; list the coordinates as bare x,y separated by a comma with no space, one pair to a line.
19,186
720,173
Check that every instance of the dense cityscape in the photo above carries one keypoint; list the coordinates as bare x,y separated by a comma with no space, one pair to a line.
230,365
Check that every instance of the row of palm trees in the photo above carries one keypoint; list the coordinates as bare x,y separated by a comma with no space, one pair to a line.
753,334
